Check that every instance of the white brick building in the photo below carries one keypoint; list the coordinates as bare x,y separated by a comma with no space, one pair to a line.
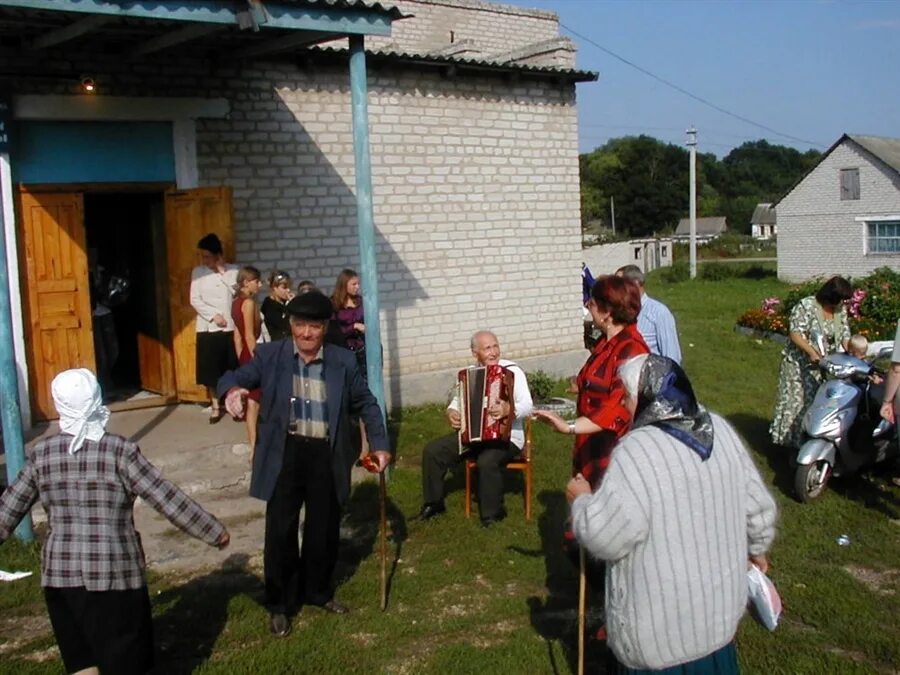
474,163
843,216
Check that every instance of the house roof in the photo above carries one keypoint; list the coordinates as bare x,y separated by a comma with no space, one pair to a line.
222,28
883,148
227,30
763,214
705,226
451,65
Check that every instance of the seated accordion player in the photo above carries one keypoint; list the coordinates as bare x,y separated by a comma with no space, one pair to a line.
479,388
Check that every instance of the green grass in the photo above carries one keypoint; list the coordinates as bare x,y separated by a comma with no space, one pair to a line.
467,600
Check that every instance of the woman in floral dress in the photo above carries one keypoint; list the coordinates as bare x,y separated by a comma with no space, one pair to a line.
818,327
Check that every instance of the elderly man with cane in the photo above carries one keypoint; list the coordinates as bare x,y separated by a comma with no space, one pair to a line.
304,454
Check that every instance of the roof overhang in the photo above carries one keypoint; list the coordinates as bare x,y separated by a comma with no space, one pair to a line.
453,66
238,28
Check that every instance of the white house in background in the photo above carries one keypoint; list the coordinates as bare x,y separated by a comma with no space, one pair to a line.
648,254
707,228
763,222
843,216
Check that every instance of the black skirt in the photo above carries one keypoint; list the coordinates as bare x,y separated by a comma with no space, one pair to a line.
215,355
112,630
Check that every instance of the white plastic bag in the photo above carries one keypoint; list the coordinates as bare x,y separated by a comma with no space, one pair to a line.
764,598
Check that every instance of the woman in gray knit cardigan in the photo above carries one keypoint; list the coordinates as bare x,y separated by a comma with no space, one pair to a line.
678,515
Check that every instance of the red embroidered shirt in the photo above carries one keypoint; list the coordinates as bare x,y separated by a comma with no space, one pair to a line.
600,394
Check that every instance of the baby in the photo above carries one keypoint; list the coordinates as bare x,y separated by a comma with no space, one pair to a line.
858,346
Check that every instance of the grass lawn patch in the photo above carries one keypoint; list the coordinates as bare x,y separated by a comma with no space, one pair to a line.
468,600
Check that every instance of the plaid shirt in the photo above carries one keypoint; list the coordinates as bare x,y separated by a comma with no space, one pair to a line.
309,403
88,498
600,394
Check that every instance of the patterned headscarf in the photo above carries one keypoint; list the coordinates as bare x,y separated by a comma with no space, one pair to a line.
77,397
666,400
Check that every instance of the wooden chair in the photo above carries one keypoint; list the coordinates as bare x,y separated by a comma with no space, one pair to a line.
521,463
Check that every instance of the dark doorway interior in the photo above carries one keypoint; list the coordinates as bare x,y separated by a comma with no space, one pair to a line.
124,235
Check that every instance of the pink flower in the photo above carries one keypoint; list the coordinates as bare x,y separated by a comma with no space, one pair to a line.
855,301
769,305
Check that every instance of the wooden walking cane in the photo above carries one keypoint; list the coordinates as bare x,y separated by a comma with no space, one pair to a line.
383,491
370,464
582,597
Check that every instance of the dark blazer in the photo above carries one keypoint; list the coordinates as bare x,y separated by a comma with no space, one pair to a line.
271,369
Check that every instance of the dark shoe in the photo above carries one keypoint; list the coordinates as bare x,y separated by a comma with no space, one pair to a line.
279,624
487,522
216,415
431,510
335,607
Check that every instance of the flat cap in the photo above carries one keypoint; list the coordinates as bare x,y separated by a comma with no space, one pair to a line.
313,305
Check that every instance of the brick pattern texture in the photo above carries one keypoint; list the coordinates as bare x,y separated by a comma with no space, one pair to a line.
476,185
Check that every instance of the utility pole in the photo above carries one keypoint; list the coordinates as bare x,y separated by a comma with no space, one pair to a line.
692,144
612,212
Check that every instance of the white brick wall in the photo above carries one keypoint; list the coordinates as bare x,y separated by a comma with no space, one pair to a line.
475,192
476,196
492,28
818,234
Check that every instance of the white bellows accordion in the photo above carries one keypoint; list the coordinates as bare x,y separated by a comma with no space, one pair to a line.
478,389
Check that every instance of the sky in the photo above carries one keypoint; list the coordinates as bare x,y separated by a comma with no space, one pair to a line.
810,70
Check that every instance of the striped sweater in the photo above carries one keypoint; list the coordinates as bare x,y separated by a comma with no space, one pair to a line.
676,532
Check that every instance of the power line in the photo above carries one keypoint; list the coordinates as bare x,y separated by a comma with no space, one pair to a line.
684,91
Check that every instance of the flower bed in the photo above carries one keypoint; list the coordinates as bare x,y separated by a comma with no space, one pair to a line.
873,309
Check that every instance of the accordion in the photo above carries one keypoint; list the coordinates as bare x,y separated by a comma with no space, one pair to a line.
478,389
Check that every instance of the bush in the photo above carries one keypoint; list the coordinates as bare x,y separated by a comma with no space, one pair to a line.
541,385
718,271
873,310
676,273
759,272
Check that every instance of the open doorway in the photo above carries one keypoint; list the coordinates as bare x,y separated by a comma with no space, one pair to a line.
125,237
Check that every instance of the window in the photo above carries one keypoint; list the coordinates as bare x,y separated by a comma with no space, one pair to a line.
637,253
849,184
883,236
665,251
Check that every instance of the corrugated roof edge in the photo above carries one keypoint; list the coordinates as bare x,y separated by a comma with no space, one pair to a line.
392,11
478,64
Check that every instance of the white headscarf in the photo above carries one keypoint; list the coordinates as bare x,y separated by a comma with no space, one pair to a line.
79,403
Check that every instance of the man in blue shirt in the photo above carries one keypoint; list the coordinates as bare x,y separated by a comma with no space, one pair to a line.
655,323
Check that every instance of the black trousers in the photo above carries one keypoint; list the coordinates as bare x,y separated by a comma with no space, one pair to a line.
442,453
112,630
296,575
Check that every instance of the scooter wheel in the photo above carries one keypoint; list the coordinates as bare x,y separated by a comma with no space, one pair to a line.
810,480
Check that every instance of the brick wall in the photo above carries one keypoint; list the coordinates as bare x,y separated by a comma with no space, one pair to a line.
476,194
817,232
492,28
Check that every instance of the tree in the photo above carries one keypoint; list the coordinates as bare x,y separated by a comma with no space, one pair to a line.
649,180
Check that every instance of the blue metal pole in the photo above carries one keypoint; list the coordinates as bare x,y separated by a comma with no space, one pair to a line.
10,414
365,216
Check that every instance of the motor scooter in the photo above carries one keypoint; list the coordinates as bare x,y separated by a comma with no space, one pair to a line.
843,429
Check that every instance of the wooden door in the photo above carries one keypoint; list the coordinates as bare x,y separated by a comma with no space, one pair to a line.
191,214
154,342
58,304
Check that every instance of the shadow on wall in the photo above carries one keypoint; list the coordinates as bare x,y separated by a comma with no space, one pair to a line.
298,194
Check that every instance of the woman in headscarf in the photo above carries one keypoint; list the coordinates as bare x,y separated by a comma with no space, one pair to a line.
680,512
818,327
92,563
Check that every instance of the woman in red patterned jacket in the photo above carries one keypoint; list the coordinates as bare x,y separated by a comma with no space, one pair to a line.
602,418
